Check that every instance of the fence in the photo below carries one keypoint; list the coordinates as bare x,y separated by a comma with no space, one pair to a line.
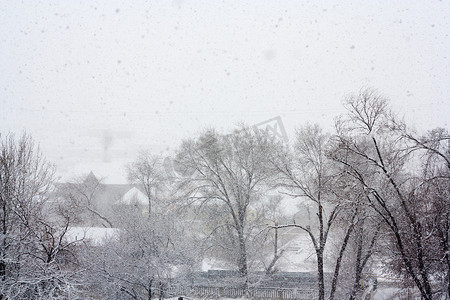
234,292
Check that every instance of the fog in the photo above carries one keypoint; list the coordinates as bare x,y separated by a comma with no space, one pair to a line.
95,82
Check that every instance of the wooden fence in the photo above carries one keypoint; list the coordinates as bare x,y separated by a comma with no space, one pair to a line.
234,292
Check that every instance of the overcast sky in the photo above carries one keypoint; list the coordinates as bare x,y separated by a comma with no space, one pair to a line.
95,82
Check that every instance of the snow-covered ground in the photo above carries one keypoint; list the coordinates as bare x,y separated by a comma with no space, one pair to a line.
392,293
299,255
189,298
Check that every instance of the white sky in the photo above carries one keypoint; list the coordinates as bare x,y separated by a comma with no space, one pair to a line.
94,82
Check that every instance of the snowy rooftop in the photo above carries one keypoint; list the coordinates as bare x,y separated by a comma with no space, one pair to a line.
95,235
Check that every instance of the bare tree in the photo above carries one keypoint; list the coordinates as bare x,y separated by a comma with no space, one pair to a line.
230,172
273,216
82,193
309,174
34,253
380,155
362,251
431,193
148,172
140,260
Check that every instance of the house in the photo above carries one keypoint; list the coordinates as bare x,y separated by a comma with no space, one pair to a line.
95,202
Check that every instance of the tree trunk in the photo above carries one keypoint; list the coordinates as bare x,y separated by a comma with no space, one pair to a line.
242,259
358,270
150,290
339,259
161,291
270,269
320,276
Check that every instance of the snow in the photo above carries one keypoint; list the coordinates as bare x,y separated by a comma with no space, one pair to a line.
133,196
213,264
95,235
299,255
189,298
393,293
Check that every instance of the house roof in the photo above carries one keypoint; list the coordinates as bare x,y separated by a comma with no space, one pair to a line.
91,178
134,195
95,235
104,195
